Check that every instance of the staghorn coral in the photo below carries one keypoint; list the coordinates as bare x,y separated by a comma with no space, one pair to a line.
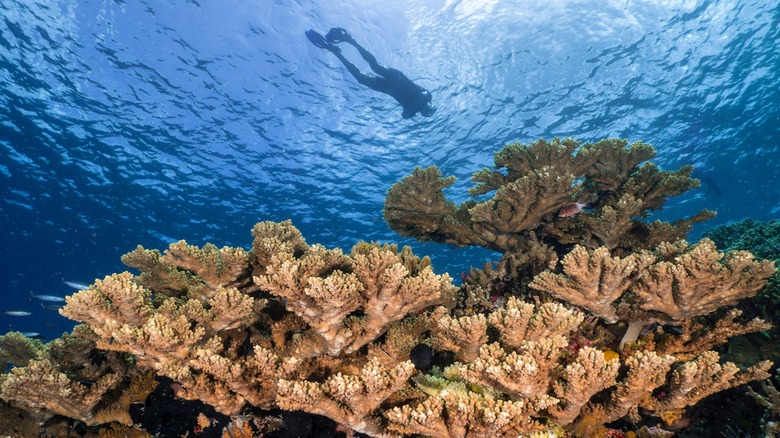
510,276
588,374
701,377
646,372
695,338
227,351
216,268
519,322
463,336
593,279
530,183
64,396
700,281
522,374
17,349
189,337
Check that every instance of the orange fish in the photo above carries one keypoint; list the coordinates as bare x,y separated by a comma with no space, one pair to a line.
571,209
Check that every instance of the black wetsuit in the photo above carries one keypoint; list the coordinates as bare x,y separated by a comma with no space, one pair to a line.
412,97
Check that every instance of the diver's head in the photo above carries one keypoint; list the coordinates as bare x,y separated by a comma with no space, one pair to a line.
428,110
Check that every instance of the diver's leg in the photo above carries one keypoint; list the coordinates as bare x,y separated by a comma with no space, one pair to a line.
370,59
359,75
338,35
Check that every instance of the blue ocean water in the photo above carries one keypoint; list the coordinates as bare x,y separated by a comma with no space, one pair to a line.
126,123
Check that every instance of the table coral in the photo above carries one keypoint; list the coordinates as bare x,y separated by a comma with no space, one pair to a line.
677,283
65,377
208,335
531,183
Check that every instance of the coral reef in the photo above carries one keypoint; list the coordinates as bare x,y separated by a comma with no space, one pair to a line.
17,349
527,347
213,339
534,187
760,238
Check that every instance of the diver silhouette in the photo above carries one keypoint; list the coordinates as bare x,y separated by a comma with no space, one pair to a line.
412,97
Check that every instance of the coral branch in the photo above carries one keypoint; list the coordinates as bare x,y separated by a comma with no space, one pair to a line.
698,282
521,374
594,280
519,322
325,288
580,380
702,377
460,414
350,400
463,336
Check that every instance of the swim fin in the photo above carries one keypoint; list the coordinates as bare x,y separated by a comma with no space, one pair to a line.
337,35
319,40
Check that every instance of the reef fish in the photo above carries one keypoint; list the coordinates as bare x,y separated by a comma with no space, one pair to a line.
77,285
50,298
571,209
54,307
17,313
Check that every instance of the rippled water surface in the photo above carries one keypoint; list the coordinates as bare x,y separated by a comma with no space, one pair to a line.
126,123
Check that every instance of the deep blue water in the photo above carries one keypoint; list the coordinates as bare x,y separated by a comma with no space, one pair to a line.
126,123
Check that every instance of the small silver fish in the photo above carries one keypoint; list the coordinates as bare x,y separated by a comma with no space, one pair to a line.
17,313
50,298
77,285
31,334
54,307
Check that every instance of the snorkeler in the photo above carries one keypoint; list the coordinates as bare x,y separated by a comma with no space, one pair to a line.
414,98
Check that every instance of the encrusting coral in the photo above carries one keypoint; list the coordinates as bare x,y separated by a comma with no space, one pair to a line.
305,328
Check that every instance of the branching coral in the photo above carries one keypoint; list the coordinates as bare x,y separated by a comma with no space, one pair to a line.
350,400
17,349
467,414
770,401
699,281
64,396
594,280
